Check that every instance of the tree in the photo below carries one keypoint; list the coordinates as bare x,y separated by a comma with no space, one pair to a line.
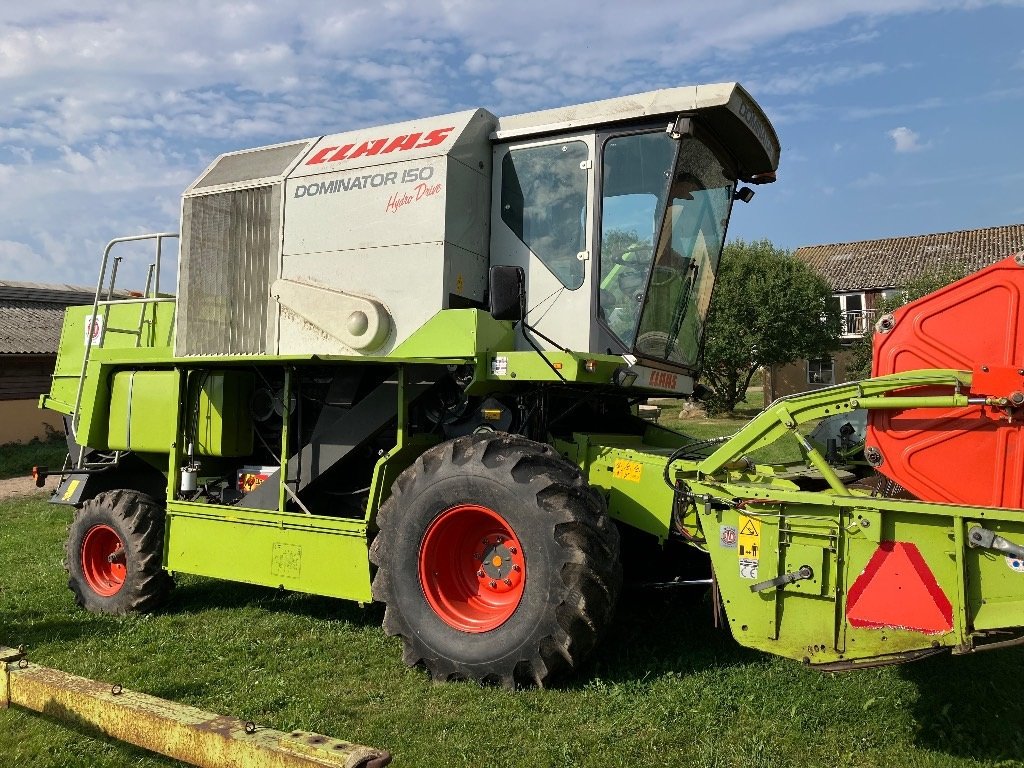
768,309
859,366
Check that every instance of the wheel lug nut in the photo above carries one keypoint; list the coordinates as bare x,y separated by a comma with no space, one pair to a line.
479,574
516,568
508,582
493,584
513,550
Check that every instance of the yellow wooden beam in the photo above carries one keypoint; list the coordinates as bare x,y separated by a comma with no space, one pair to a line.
177,730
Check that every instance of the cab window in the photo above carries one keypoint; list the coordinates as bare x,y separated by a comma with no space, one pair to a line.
544,202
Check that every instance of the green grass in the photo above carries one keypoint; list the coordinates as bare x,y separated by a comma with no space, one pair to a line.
17,459
664,688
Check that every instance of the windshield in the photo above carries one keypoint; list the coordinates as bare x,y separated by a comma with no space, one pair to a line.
684,209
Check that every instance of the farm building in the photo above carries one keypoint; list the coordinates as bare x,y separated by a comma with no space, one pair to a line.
862,273
31,315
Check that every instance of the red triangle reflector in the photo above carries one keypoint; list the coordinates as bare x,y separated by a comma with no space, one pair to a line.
897,589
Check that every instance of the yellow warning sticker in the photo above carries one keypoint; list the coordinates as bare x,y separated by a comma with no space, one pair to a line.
72,487
749,539
628,470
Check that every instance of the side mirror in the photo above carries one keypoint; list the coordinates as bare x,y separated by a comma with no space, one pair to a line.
507,291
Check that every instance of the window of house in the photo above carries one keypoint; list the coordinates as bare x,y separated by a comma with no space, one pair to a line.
544,201
852,312
821,370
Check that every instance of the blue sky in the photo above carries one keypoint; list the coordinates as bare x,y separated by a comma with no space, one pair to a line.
896,116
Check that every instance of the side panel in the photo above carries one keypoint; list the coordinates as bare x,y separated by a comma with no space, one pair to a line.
142,419
321,556
122,327
410,236
346,210
140,416
415,277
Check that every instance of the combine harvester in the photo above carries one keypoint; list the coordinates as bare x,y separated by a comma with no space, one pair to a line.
402,366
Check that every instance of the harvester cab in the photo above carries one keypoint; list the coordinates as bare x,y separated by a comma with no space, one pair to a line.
349,244
622,222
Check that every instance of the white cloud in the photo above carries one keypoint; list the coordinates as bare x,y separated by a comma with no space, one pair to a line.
906,140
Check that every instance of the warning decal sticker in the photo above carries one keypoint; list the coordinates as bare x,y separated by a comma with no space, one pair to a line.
748,547
628,470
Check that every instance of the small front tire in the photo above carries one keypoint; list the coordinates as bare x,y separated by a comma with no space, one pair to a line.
114,554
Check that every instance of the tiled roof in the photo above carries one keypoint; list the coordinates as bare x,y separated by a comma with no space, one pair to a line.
893,261
31,315
47,293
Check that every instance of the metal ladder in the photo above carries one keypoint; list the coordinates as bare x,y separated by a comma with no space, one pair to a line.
95,338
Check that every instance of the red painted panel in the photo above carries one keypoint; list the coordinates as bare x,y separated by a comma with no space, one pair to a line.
966,455
897,589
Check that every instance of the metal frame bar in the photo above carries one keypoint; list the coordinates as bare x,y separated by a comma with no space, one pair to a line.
182,732
787,413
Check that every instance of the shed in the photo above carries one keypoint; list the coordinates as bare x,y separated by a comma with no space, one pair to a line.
31,317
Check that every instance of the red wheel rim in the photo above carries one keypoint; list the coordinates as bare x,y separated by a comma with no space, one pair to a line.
472,568
103,563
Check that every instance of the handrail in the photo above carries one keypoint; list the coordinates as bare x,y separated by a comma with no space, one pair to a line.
76,416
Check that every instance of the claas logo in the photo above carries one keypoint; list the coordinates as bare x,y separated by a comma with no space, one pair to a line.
383,146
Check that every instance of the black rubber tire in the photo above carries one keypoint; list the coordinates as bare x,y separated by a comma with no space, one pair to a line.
570,545
138,521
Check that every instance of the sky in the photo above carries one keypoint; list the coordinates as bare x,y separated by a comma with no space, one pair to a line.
896,117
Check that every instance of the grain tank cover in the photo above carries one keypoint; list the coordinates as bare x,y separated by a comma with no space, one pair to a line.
343,244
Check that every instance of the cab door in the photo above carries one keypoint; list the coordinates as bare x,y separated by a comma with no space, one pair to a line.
541,220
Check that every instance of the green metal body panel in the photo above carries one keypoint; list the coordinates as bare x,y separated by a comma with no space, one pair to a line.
467,333
629,472
303,553
223,427
139,418
530,366
121,336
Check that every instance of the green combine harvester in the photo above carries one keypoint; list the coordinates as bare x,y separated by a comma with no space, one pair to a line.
403,365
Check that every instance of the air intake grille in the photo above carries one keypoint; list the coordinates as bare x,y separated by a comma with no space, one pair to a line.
251,165
230,244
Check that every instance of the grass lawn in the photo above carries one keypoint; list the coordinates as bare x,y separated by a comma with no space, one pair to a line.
17,459
664,688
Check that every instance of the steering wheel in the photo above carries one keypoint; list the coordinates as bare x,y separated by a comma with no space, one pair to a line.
641,259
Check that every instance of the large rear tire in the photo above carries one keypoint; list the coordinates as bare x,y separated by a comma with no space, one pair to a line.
497,562
114,554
